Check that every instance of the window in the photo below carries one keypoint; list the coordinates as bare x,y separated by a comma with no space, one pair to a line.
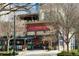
46,15
61,42
0,42
18,42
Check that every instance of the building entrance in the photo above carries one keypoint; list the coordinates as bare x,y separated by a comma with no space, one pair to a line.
35,43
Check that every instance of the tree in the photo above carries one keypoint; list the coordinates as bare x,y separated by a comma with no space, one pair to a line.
49,15
7,30
8,8
67,17
69,22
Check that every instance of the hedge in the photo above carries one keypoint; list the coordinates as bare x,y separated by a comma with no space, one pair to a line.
8,54
71,53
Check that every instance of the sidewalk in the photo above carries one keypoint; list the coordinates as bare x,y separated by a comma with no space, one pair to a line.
39,53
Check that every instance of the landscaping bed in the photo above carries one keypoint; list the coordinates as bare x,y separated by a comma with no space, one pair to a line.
70,53
7,54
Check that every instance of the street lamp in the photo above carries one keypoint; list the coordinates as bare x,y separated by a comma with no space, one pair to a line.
14,42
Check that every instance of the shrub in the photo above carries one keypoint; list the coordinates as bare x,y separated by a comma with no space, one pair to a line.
7,54
50,48
75,52
71,53
64,53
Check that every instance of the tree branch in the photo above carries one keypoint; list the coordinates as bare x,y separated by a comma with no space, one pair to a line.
72,36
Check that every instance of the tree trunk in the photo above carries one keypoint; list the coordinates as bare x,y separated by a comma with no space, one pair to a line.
67,46
50,45
67,39
63,46
8,46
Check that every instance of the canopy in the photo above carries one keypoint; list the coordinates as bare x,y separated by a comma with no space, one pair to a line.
37,28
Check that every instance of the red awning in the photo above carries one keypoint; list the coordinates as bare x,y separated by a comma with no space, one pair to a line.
37,28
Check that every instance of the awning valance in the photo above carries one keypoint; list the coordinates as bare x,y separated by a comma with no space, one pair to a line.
37,28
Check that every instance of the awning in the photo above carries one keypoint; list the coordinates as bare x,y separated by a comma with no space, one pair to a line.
37,28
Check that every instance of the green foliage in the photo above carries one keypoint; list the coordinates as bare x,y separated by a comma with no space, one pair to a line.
64,53
50,48
71,53
8,54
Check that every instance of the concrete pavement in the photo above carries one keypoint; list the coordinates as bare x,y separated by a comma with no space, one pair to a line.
38,53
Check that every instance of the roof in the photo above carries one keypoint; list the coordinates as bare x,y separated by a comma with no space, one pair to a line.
38,22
